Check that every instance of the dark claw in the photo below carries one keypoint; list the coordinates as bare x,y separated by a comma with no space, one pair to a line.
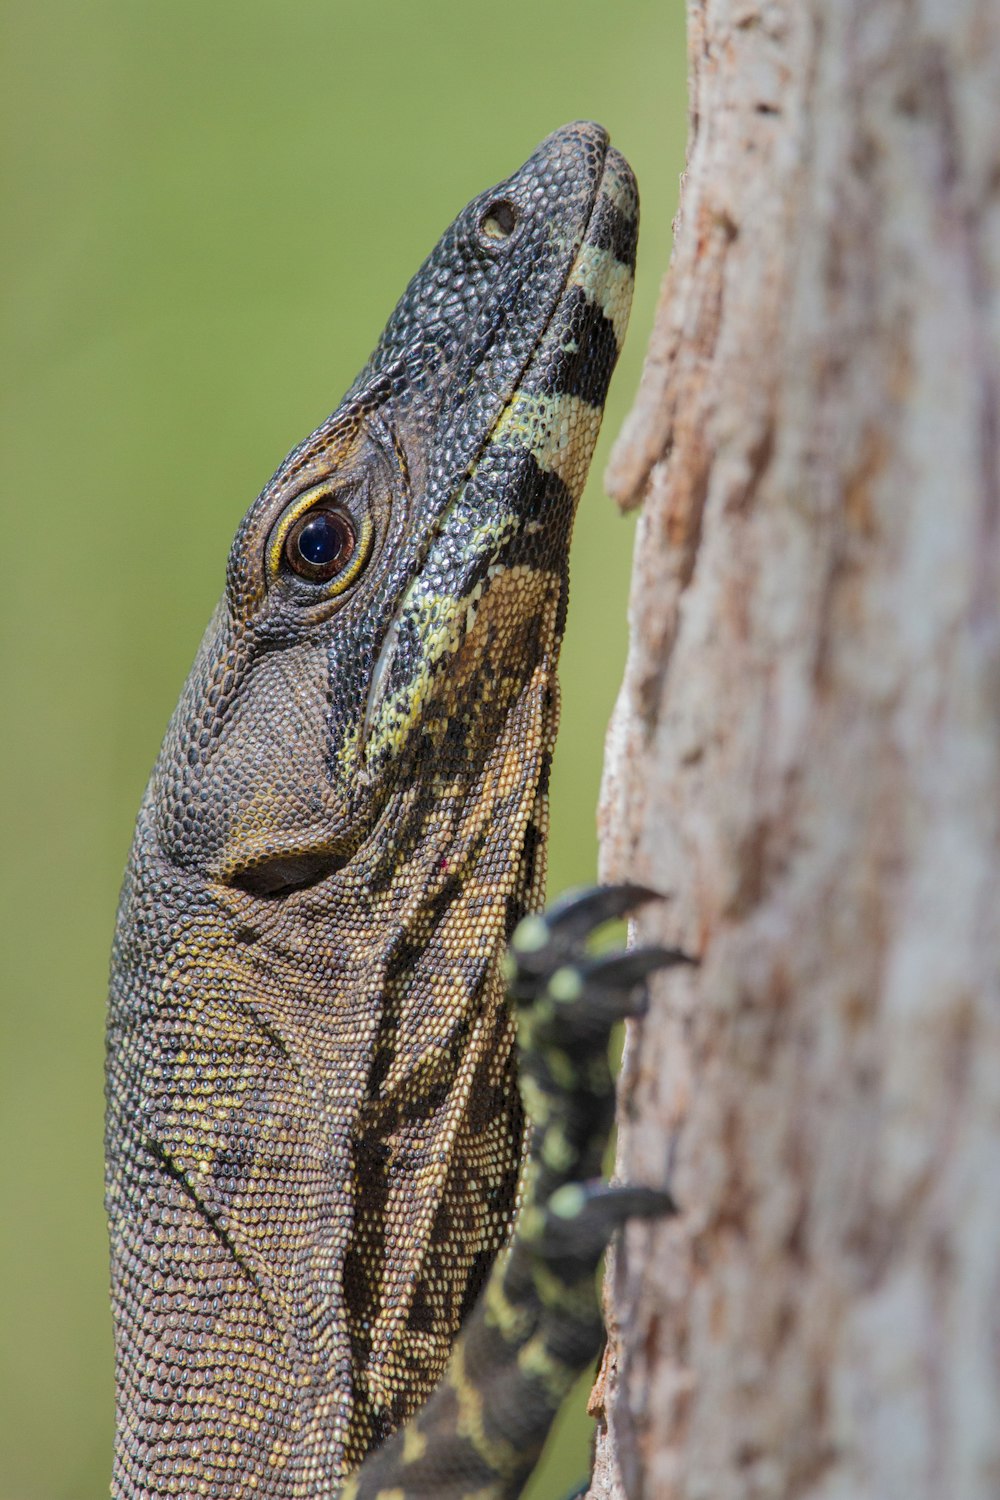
594,994
582,1217
580,912
624,969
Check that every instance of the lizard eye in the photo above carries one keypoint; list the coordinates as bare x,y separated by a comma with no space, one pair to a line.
322,539
320,544
499,220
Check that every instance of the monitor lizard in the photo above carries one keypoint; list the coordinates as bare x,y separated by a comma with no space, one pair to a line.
316,1139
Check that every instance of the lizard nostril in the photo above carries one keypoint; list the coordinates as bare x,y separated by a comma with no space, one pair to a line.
499,221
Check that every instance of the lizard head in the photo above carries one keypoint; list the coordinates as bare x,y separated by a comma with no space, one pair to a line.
403,574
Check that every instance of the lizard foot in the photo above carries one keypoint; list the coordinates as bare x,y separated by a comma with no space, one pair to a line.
569,999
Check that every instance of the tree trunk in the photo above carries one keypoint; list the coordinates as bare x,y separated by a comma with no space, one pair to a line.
805,759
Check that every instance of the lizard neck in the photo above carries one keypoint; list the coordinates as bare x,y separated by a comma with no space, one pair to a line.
378,1087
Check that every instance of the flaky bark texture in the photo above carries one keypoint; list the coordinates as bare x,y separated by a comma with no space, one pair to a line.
806,759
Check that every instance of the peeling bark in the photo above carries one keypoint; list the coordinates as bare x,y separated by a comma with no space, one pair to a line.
805,759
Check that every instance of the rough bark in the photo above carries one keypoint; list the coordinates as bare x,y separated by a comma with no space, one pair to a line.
806,759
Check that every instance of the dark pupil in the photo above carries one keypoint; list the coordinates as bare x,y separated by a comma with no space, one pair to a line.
320,544
321,540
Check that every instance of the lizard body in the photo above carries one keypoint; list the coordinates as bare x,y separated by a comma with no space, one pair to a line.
315,1132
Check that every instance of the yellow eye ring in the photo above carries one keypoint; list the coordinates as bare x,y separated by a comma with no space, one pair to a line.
294,525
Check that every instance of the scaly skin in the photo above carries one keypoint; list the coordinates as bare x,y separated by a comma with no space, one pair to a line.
315,1132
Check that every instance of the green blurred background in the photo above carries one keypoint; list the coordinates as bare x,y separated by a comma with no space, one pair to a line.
210,211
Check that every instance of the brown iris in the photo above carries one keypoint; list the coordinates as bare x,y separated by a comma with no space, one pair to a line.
320,544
